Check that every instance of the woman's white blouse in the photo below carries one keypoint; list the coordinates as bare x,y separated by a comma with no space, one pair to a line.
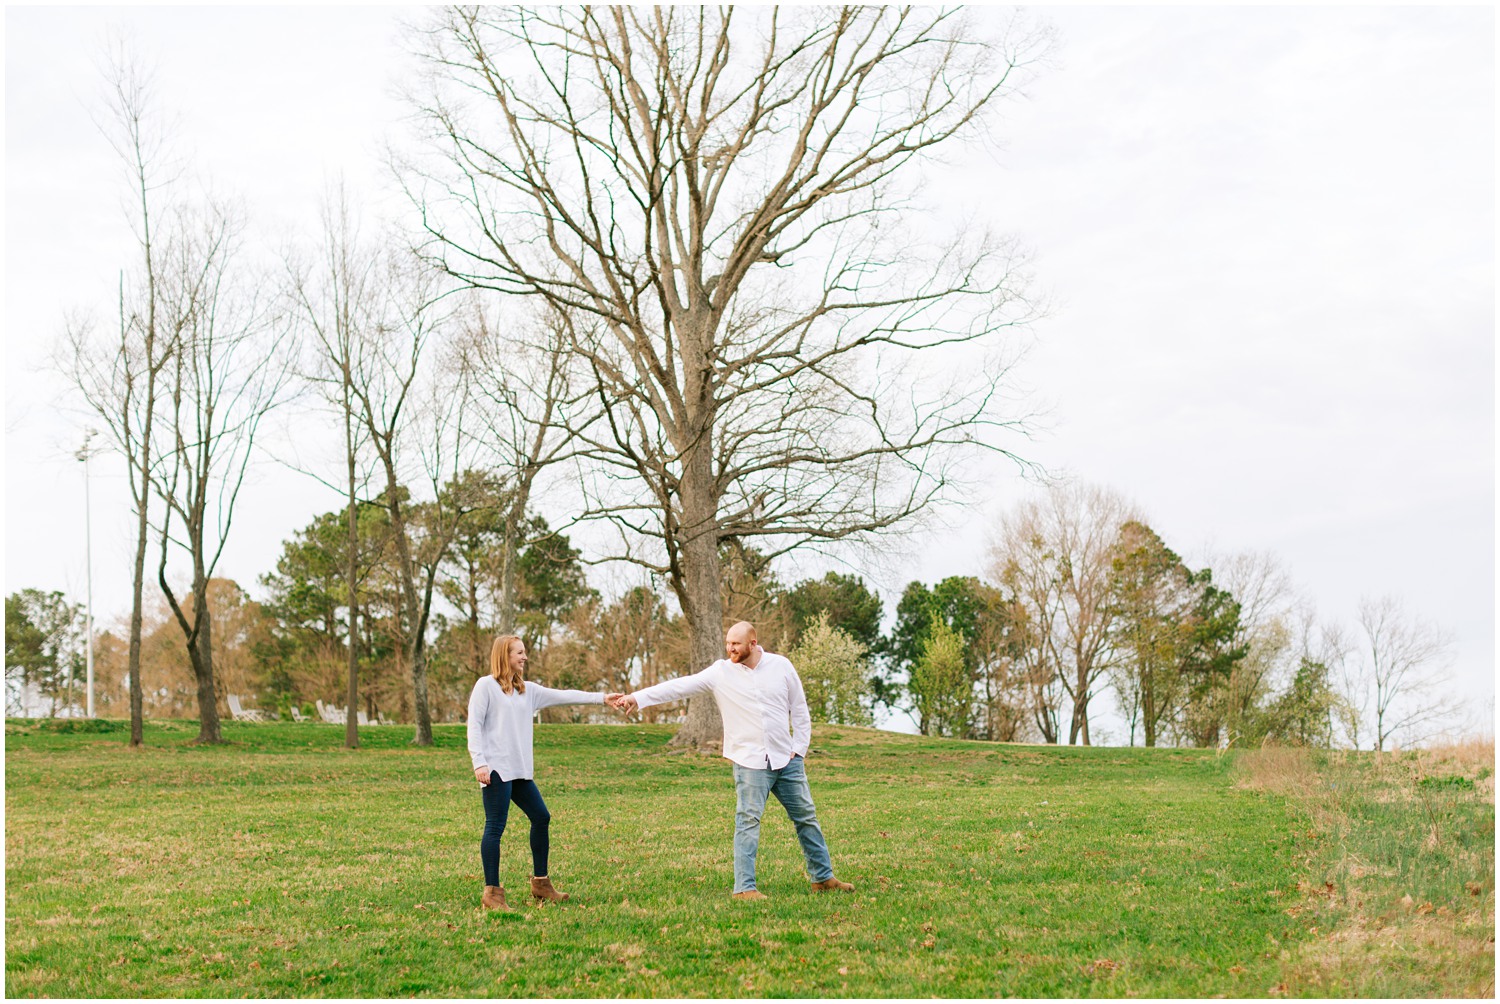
500,723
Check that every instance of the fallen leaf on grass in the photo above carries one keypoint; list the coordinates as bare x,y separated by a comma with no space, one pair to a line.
930,942
843,970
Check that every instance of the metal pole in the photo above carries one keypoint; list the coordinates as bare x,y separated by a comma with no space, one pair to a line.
88,564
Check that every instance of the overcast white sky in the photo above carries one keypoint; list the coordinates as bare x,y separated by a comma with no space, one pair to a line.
1268,235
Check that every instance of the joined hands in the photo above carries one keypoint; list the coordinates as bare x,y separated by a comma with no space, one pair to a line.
621,702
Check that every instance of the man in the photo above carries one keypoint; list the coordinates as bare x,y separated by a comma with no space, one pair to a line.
758,692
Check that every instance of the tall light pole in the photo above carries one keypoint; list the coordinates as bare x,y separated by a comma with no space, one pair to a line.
88,563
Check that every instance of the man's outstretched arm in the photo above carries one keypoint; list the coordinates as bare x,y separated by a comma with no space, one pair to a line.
671,690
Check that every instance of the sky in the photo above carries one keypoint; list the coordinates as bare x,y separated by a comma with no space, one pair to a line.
1265,235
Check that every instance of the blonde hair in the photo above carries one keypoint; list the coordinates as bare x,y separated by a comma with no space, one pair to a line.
507,675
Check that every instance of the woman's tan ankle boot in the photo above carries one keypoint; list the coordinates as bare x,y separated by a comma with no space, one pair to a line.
494,898
541,888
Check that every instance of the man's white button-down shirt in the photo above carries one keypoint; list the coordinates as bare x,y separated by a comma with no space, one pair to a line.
756,705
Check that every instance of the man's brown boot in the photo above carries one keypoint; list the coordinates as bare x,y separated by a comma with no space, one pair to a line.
541,888
749,894
494,898
830,884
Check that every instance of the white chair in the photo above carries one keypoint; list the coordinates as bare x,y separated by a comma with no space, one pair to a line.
242,714
297,715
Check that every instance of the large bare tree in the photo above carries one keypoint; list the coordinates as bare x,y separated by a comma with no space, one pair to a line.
724,207
120,378
227,372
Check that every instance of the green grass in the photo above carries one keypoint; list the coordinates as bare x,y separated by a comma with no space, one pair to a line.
283,865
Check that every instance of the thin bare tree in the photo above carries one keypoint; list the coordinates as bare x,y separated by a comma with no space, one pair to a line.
413,402
120,379
527,417
227,372
724,206
1404,662
334,300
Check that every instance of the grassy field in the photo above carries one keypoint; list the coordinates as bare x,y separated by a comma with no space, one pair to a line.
283,865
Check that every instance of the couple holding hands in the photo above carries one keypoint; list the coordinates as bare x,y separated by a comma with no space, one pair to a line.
758,693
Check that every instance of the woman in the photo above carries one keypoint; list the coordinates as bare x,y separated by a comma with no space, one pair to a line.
500,712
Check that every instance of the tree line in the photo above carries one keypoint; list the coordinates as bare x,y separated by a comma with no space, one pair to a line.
1081,597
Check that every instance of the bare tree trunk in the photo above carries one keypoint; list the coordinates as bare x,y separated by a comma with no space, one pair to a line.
510,547
701,589
416,614
476,648
201,654
137,694
1149,714
703,728
351,578
198,636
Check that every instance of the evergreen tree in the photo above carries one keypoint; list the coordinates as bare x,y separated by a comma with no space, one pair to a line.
851,606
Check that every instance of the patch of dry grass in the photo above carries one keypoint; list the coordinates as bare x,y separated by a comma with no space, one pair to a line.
1400,868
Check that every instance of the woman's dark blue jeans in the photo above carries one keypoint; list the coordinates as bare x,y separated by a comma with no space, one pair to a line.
497,796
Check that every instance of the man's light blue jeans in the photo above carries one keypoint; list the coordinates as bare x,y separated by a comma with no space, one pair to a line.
789,785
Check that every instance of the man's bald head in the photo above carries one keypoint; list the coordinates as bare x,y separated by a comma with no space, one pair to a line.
739,642
744,630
